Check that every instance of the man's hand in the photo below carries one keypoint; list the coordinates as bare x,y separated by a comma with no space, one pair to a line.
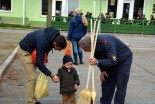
103,75
93,61
54,78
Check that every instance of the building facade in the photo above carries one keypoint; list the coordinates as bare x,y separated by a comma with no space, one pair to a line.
34,12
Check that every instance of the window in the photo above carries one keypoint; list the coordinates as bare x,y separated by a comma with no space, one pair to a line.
44,7
112,8
5,5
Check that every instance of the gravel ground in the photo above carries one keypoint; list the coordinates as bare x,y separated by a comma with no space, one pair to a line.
9,40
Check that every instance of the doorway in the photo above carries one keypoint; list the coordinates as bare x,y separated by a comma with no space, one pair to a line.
112,8
126,8
138,8
58,8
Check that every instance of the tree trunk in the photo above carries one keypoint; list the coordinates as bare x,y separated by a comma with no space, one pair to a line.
48,22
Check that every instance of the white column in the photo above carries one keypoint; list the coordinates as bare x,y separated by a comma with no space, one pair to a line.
131,9
144,7
106,9
67,7
24,12
119,9
53,7
64,11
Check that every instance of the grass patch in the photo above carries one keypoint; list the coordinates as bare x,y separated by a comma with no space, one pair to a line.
8,47
18,26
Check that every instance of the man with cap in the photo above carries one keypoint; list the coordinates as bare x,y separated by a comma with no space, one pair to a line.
114,58
69,80
77,29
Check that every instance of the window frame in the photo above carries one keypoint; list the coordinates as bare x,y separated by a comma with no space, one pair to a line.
41,9
11,9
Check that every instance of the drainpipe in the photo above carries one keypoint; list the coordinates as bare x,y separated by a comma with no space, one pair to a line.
94,3
100,7
79,4
24,12
100,15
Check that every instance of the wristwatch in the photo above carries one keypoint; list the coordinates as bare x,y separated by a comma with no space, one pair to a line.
97,63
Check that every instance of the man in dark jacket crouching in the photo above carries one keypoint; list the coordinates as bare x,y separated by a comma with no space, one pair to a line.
43,41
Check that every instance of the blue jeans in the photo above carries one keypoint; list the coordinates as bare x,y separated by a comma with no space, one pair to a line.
117,77
76,50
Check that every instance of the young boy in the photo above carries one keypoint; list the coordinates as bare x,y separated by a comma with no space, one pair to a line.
69,80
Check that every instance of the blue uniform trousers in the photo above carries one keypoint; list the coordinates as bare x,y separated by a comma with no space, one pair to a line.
117,78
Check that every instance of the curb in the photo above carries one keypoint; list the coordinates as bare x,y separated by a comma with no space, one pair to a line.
7,62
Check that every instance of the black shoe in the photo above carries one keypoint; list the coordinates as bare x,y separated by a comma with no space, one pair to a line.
37,102
81,62
75,63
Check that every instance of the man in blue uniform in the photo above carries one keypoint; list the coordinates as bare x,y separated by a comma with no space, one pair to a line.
114,58
43,41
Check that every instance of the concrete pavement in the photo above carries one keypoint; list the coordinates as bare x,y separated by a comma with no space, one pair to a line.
141,87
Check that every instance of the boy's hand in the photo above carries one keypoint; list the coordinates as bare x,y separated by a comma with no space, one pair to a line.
76,86
54,78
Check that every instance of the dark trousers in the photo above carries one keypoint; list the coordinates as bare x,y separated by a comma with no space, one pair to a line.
70,97
117,78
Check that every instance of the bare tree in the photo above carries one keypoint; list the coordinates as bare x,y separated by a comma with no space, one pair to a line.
48,22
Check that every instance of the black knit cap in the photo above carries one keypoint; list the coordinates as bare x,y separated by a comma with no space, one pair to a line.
67,58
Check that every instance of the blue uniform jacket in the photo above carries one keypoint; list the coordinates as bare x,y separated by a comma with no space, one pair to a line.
42,41
76,30
110,51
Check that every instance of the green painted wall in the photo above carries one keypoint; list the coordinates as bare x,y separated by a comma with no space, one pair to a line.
87,5
16,9
15,15
149,7
33,10
34,17
33,13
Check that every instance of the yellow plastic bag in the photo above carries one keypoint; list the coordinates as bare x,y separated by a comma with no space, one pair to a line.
41,88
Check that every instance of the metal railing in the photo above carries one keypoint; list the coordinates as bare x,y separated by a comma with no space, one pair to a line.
111,25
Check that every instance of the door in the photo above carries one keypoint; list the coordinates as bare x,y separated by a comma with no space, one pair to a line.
58,8
126,8
138,8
